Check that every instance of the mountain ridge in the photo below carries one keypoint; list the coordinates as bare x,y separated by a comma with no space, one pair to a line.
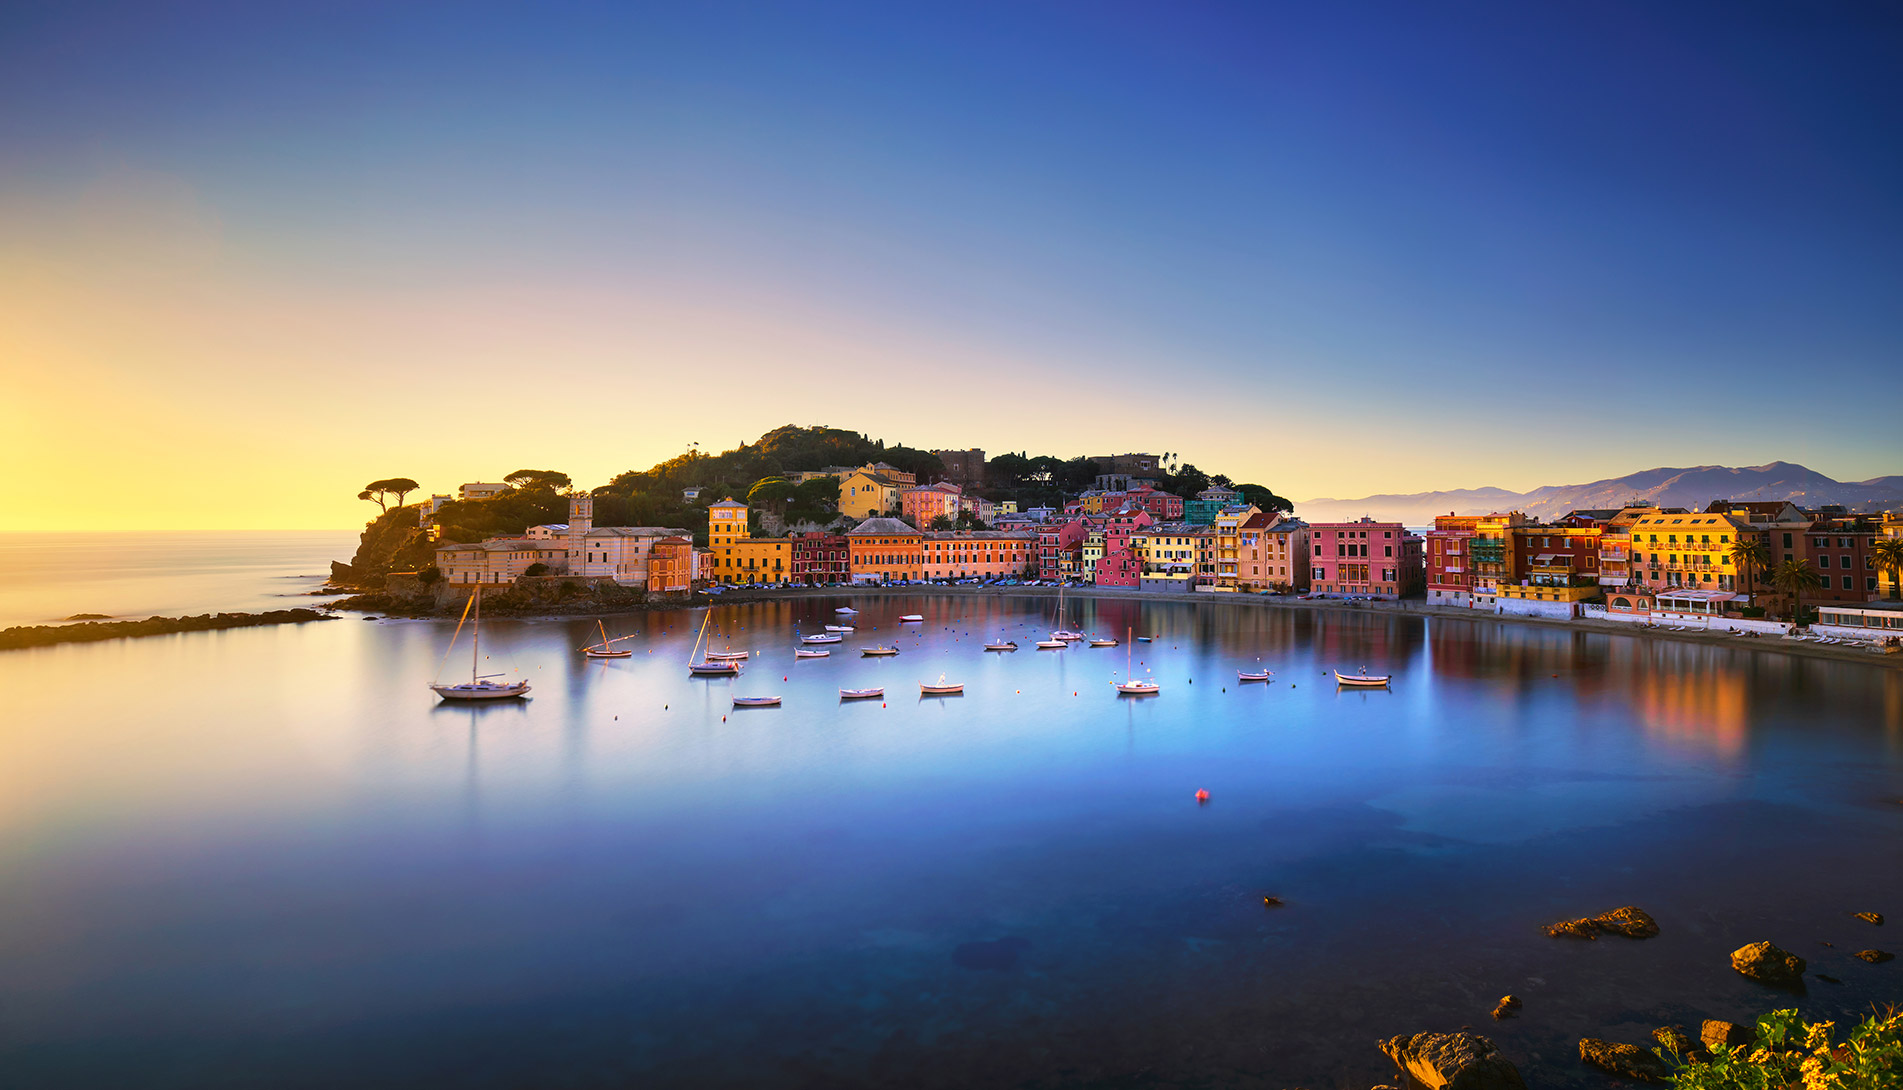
1666,486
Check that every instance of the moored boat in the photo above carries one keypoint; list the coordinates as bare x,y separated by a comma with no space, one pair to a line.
1252,675
1100,642
911,617
1007,645
726,656
839,628
606,649
876,652
479,686
1138,688
829,637
860,694
756,701
845,610
1363,679
1051,645
714,669
942,688
810,652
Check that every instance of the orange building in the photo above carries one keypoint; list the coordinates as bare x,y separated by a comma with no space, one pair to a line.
979,554
671,566
920,506
884,550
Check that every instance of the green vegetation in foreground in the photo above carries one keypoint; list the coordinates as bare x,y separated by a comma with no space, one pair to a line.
1792,1054
46,635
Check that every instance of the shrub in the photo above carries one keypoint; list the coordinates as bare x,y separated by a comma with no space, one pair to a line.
537,568
1753,611
1790,1052
430,576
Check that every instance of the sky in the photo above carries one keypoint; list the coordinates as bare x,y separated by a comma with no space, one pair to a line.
253,256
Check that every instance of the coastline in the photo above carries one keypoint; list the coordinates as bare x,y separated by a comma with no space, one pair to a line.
1403,608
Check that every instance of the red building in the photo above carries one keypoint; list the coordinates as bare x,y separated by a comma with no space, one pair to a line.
1447,560
1839,548
821,558
1118,527
1162,506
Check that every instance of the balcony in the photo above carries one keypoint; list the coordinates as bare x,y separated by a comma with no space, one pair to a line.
1452,569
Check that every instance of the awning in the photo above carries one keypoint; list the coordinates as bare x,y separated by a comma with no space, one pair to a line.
1544,558
1695,595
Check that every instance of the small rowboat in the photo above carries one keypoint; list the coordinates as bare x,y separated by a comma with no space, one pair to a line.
860,694
845,609
726,656
911,617
1005,646
830,637
1051,645
810,653
943,688
874,652
1103,643
1137,688
839,628
1363,679
756,701
1252,675
714,669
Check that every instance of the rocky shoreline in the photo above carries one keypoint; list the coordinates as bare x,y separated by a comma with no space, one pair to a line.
47,635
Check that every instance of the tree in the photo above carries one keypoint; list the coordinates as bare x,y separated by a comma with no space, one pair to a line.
1794,577
1751,555
535,480
943,522
1889,557
1263,498
378,492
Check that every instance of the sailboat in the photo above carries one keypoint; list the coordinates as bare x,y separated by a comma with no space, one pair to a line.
479,686
1062,633
1130,686
606,649
709,667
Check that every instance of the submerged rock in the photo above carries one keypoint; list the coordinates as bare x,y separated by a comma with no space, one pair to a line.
1871,917
1675,1040
1629,1061
1457,1061
1717,1033
1508,1007
1876,957
1767,964
1631,921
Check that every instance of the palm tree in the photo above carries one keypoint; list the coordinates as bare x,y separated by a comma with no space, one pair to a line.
1751,555
1889,557
1794,577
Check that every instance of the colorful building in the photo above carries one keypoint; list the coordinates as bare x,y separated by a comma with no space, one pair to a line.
1283,555
1119,568
622,553
821,558
1841,551
1446,560
1162,506
1060,549
671,566
1689,551
979,554
1229,543
1364,558
873,490
885,550
499,559
920,506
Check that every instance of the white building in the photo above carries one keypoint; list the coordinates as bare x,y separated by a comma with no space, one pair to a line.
482,490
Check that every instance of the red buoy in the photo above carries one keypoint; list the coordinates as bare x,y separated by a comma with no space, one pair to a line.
1202,795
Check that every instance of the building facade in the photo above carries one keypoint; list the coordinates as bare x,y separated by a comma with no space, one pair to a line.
1364,558
885,550
822,559
979,554
921,506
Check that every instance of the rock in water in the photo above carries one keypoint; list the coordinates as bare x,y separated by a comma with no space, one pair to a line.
1631,921
1508,1007
1628,1061
1717,1033
1767,964
1457,1061
1871,917
1875,957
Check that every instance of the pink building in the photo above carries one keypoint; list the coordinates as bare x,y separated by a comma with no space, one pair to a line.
1364,558
1162,506
1119,568
919,506
1118,527
1060,548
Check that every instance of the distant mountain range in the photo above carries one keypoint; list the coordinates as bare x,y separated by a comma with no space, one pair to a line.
1693,488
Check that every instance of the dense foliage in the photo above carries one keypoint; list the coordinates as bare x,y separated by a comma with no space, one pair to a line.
1789,1052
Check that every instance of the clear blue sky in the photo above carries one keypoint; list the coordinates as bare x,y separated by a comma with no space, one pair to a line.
1337,248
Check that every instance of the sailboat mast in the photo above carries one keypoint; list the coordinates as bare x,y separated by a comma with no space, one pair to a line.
1129,650
475,638
604,633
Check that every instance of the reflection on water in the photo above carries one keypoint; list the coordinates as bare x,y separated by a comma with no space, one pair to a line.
268,856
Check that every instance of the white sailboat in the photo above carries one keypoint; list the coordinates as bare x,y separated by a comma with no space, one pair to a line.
479,686
1060,632
709,667
1130,686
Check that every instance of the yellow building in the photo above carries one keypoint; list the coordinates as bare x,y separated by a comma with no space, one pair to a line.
1890,529
1687,549
870,491
1229,543
738,556
726,523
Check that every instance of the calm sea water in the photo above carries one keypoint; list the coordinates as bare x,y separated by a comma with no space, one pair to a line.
269,857
45,578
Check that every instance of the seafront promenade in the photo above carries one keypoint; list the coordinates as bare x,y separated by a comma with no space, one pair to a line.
1404,607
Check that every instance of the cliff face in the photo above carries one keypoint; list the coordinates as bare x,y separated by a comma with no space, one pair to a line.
392,542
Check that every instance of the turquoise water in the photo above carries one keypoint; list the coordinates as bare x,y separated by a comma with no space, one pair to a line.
269,857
